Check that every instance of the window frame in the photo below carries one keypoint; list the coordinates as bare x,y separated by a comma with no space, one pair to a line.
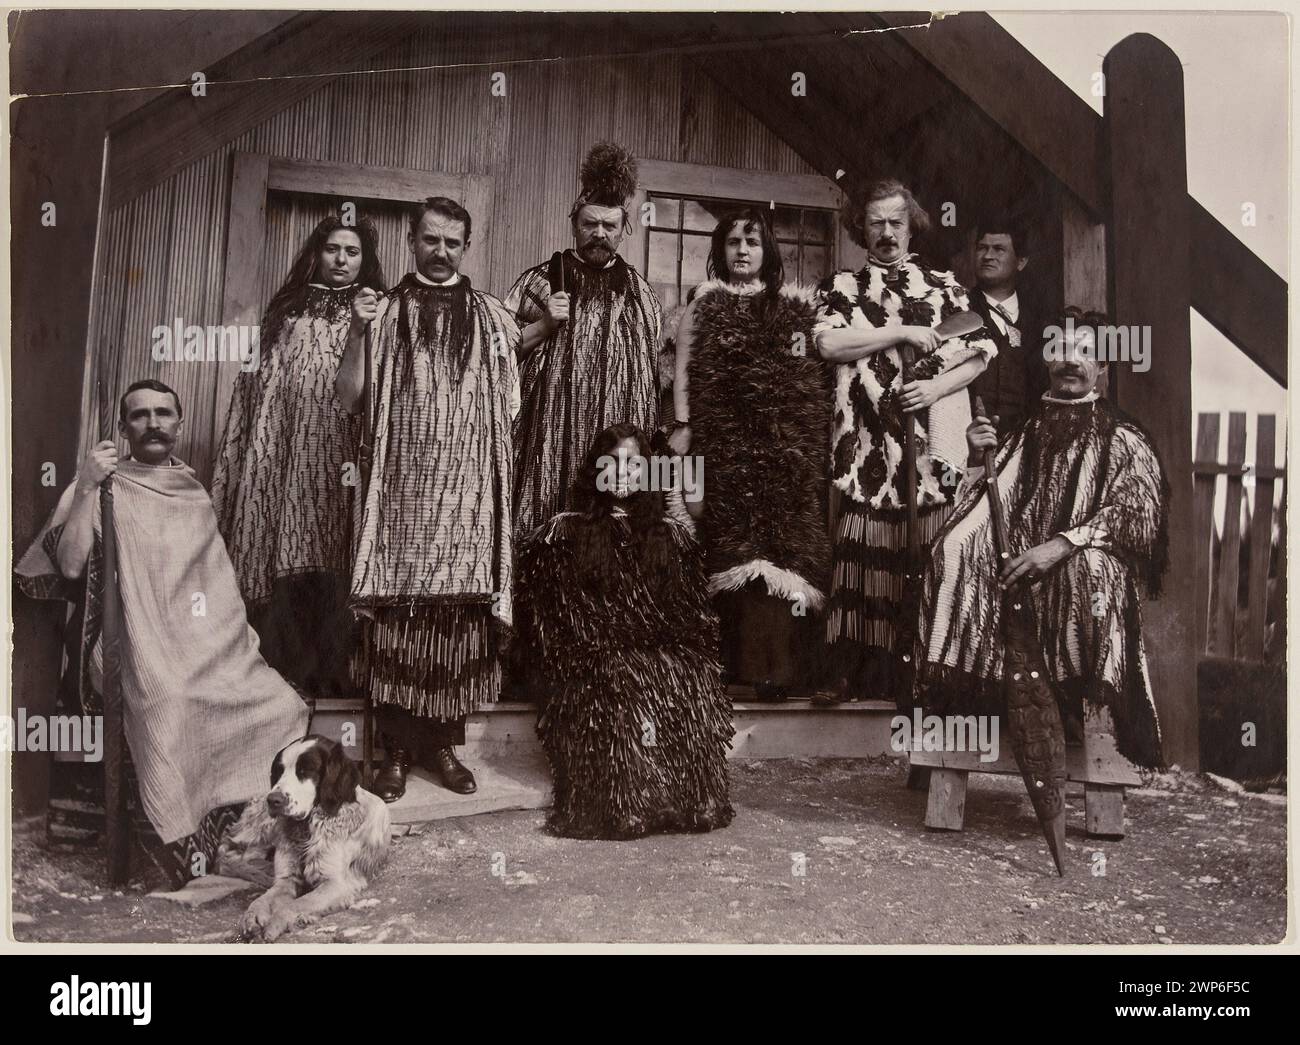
670,178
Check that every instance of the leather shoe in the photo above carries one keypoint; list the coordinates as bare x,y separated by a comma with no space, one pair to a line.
390,781
455,777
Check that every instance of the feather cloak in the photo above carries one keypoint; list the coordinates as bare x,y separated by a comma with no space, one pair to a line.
760,411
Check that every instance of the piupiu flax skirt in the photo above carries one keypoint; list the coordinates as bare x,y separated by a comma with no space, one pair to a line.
437,660
867,572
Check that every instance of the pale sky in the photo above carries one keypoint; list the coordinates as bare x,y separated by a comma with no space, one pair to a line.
1237,91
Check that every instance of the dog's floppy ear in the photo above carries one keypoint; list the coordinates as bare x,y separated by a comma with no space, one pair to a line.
338,782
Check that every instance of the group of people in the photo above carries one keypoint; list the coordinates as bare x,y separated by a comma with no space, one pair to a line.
425,494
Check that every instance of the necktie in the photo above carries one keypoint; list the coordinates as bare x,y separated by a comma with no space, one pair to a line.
1013,331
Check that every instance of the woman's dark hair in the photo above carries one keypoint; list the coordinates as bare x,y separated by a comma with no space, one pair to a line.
772,271
444,205
291,298
645,512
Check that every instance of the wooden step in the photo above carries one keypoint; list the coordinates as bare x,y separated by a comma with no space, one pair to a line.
791,729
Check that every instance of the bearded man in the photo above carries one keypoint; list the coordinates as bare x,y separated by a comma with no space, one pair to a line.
1087,511
589,342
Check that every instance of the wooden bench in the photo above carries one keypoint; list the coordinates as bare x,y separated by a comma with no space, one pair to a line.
1095,763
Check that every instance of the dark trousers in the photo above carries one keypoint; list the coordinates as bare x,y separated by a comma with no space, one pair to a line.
759,636
418,734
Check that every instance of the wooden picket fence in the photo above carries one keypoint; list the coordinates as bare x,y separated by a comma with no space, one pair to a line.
1241,572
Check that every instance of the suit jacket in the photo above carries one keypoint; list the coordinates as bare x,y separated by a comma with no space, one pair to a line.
1016,377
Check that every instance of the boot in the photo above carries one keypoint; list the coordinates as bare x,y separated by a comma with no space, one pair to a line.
390,781
454,776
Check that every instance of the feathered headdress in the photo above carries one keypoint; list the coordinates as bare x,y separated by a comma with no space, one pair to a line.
608,177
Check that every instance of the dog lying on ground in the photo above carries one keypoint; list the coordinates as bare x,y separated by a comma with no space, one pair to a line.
327,834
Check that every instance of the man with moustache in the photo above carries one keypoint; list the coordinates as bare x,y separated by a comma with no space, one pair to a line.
1086,507
1017,376
589,342
867,318
432,569
204,713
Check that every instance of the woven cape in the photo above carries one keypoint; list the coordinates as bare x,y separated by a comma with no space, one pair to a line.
760,406
1086,471
636,722
433,523
599,369
278,485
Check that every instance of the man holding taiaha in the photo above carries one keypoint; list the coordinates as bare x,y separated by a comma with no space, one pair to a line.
589,342
1086,505
432,573
203,713
870,320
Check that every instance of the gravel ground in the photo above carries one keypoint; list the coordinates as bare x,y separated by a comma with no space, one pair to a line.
821,852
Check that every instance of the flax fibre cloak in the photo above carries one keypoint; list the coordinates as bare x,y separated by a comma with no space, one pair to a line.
1084,470
599,369
432,570
636,722
279,491
760,411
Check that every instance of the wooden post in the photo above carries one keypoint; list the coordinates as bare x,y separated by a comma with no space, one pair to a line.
1148,245
1083,251
1230,557
1261,537
1207,453
1103,810
945,808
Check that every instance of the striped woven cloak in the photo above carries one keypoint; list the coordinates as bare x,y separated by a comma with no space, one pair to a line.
599,369
1083,470
433,566
279,486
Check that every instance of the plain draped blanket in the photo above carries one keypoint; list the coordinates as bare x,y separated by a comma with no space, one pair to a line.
204,713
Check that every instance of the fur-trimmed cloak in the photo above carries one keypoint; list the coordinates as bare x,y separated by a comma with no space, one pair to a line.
760,401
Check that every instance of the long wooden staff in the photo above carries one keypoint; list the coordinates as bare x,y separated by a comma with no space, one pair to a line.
115,790
909,606
366,455
907,622
1033,714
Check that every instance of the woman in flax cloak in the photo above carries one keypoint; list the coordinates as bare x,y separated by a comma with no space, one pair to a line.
279,486
752,400
612,597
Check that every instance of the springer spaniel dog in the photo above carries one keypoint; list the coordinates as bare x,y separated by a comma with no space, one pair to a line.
328,836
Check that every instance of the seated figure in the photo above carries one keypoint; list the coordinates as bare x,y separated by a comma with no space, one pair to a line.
204,714
613,604
1086,506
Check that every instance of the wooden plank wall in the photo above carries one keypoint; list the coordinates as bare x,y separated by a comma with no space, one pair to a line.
164,252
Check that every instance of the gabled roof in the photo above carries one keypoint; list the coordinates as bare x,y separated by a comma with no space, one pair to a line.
872,85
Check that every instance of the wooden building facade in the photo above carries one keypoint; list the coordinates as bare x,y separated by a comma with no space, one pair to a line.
206,195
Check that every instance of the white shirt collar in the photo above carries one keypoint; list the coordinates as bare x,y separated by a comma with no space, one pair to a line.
1009,305
455,278
1091,397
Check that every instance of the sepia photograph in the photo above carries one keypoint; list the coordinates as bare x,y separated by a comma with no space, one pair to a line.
670,479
